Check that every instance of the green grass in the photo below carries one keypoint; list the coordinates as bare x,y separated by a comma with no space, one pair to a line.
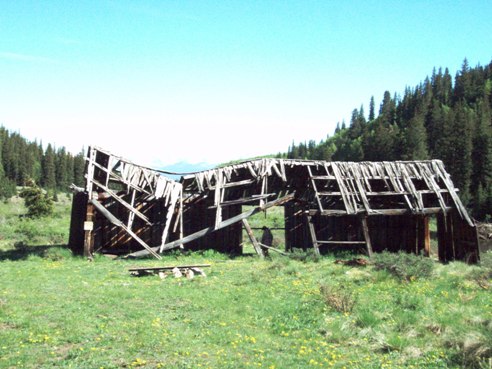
16,229
61,311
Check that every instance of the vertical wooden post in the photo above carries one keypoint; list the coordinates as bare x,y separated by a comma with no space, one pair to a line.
252,237
441,237
313,235
181,229
367,238
88,232
427,237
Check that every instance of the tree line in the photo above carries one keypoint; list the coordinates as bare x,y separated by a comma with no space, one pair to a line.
23,161
438,119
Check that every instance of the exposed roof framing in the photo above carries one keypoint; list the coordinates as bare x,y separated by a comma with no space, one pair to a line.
324,188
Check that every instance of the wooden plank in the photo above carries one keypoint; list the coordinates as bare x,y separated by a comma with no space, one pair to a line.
425,211
362,193
315,189
115,176
273,249
343,190
234,184
90,171
122,202
331,242
131,215
244,200
312,232
383,193
107,214
159,268
252,237
88,232
170,212
427,237
367,237
439,168
224,224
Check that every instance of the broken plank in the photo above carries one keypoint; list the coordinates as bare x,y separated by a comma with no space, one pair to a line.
253,239
120,224
122,202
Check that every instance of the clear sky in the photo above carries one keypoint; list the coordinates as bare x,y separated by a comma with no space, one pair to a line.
212,81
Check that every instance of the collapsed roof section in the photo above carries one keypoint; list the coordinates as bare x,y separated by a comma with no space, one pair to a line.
149,209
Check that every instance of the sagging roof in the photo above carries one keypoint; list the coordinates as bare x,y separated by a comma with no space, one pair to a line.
319,187
415,186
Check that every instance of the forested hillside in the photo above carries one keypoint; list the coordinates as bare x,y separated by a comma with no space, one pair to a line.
438,119
52,168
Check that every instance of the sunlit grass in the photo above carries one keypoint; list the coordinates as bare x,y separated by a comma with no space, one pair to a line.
56,310
60,311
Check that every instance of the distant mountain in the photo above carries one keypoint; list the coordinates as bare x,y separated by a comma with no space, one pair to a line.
184,167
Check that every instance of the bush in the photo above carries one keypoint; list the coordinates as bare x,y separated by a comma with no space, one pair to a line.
338,298
57,253
404,266
38,204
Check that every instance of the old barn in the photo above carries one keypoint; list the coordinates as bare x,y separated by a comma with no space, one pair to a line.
127,209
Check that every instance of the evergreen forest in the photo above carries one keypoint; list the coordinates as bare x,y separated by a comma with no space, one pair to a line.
22,162
441,118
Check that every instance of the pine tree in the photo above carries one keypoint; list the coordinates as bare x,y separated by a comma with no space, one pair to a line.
371,110
48,169
38,204
387,110
481,183
458,144
414,141
61,170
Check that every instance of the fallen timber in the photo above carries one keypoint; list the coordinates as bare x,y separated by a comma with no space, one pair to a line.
223,224
135,211
149,270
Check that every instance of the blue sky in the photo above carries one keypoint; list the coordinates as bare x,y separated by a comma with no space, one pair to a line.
212,81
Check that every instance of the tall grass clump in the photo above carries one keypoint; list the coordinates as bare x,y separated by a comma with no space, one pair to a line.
404,266
338,297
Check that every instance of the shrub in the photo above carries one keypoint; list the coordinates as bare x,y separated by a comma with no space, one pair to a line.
338,298
404,266
57,253
38,204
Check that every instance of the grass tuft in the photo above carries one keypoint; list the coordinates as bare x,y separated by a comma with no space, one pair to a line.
338,298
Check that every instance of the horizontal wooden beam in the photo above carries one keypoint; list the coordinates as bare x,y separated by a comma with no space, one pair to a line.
382,193
242,201
425,211
138,269
342,242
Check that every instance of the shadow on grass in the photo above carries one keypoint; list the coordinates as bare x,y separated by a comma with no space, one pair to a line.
22,253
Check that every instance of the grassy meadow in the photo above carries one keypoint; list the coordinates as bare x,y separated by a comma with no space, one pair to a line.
61,311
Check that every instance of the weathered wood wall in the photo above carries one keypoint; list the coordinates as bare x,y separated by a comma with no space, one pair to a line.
200,216
457,240
296,229
79,210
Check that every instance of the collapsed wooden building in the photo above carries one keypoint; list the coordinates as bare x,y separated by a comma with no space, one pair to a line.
132,210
